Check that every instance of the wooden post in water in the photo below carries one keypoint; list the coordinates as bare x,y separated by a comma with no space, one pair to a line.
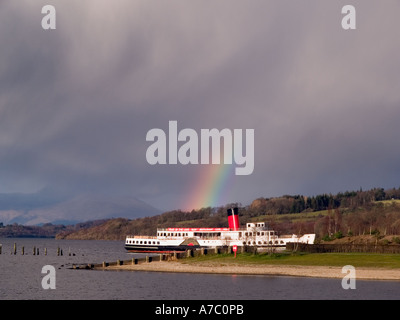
58,251
22,251
1,248
15,248
34,250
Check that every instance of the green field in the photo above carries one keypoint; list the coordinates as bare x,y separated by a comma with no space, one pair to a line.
293,217
305,259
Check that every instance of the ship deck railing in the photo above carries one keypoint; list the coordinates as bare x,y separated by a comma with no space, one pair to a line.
141,237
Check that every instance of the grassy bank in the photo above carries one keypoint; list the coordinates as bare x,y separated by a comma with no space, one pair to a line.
370,260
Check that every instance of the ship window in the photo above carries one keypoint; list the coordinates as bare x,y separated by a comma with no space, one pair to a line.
258,233
259,242
141,242
158,242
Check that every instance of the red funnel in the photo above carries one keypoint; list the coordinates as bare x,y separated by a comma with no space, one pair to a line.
233,218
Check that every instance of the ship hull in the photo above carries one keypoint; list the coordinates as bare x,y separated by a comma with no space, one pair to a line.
159,248
180,248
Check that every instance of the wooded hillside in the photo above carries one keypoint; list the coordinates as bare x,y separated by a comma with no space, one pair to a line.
373,212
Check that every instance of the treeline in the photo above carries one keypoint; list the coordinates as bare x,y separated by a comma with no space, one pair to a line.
17,230
379,220
47,230
300,203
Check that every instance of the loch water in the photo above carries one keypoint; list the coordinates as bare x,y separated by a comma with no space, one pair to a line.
21,278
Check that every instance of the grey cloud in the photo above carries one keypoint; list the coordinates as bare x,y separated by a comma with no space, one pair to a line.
76,103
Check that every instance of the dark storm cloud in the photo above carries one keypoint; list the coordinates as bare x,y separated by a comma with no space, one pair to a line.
76,103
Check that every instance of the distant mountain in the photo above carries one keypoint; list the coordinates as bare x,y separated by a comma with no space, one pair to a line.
40,208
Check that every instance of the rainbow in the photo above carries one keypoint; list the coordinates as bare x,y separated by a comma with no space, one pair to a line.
211,187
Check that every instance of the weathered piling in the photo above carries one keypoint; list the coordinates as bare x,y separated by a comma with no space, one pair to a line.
22,250
34,250
1,248
15,248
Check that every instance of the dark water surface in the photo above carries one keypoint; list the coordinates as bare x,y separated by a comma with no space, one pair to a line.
21,278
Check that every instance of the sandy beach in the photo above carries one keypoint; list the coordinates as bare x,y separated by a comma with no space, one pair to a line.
253,269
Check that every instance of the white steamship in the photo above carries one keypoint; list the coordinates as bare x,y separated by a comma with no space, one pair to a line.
182,239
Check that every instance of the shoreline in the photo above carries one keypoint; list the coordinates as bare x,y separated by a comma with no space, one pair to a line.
362,273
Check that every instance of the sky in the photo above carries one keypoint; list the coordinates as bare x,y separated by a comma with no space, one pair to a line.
77,102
